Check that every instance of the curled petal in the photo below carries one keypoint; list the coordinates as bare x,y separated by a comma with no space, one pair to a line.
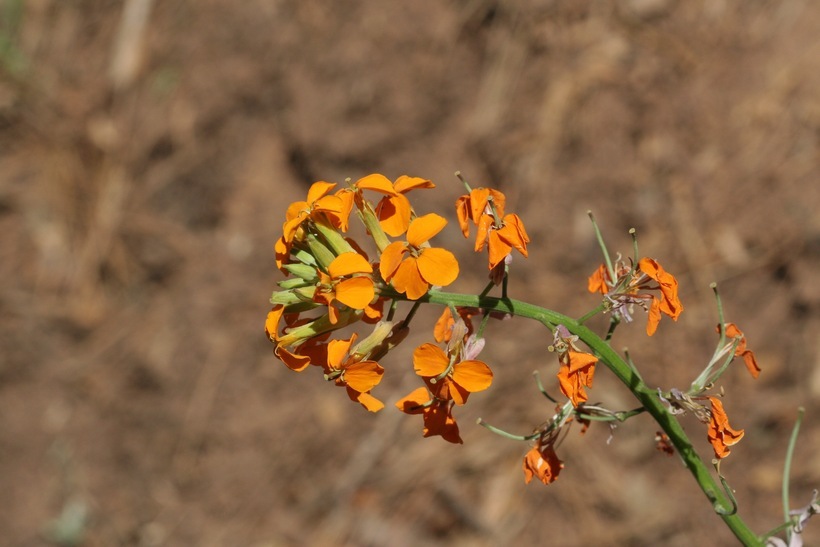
543,464
499,249
720,433
337,352
405,184
293,361
740,351
597,281
367,400
463,214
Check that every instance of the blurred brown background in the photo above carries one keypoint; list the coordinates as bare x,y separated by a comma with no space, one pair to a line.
148,151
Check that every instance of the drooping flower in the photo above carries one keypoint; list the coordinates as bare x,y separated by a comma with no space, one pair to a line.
437,414
576,367
394,210
447,377
669,303
413,266
499,232
632,286
347,282
542,463
720,434
348,369
740,351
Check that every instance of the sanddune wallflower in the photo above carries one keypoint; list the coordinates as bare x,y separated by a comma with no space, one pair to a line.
499,232
576,367
632,285
720,434
347,282
542,463
447,377
436,413
413,266
740,351
320,206
394,210
347,369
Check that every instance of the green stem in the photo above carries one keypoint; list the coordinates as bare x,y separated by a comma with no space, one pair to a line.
646,396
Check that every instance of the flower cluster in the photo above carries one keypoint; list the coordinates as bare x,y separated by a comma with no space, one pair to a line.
333,283
337,280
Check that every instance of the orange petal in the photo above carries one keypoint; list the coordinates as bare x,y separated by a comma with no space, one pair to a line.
485,226
478,202
437,266
463,214
356,292
348,263
654,317
514,234
405,184
393,213
272,322
367,400
363,376
472,375
439,421
597,281
391,258
429,360
293,361
414,402
337,352
377,183
318,190
579,360
423,228
408,280
499,249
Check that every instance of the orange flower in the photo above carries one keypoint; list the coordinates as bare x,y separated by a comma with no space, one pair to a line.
346,282
630,287
394,210
412,267
437,414
450,381
575,373
740,351
669,304
501,233
576,367
720,434
319,204
476,204
293,360
348,370
542,462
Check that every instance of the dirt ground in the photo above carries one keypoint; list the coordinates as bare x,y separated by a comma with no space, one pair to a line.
148,151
